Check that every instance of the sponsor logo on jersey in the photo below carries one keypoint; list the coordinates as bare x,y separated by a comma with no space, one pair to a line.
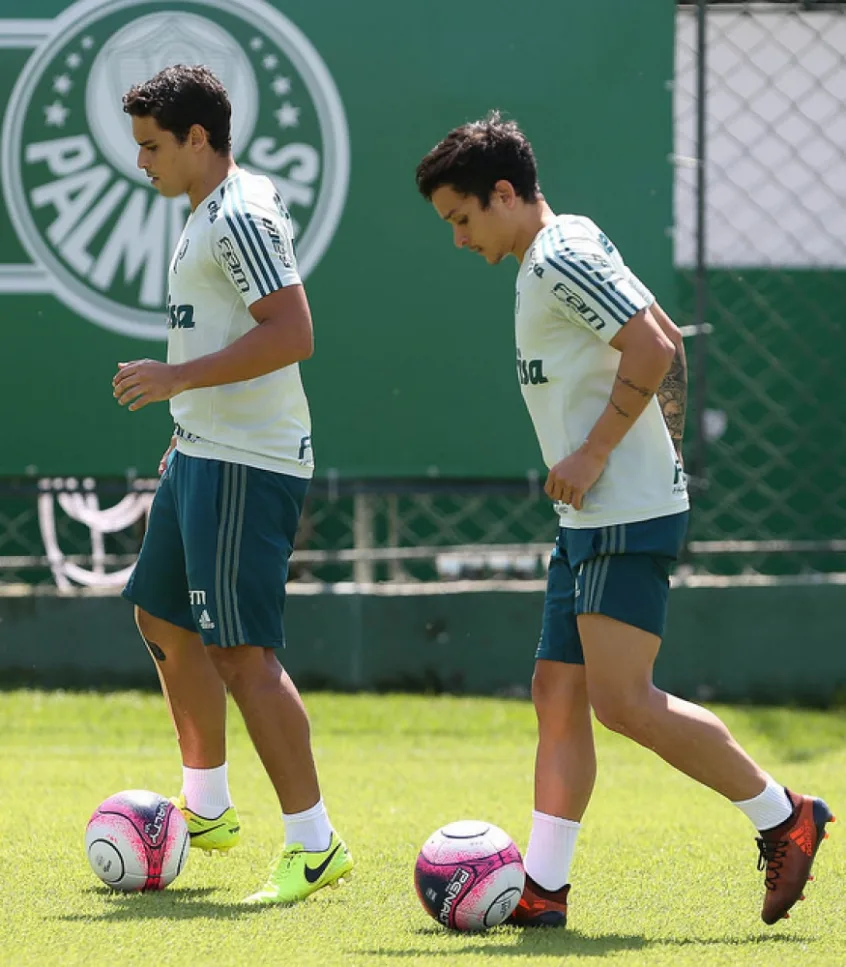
530,371
570,297
179,317
230,260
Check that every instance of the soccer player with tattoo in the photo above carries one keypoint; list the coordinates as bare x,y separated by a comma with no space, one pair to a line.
209,584
602,371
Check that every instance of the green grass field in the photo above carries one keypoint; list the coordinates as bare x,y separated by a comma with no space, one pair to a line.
665,873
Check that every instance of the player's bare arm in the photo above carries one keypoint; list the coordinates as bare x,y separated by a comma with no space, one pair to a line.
282,337
672,393
646,354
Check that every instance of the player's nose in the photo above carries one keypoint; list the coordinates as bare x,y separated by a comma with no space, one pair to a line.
459,238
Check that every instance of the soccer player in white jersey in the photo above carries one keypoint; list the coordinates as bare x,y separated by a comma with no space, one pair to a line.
209,584
602,371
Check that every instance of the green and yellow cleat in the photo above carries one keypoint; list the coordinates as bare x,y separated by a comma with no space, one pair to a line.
299,873
216,835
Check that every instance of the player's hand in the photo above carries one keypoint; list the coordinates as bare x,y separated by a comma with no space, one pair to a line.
145,381
571,478
166,454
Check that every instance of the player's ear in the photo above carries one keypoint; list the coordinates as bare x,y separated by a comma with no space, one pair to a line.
504,191
198,137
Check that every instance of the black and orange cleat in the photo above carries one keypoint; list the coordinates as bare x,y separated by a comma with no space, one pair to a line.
539,907
787,853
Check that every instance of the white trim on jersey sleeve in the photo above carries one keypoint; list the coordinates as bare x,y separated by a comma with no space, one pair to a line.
640,288
253,245
587,286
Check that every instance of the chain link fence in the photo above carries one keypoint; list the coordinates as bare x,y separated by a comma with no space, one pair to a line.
760,243
66,533
760,247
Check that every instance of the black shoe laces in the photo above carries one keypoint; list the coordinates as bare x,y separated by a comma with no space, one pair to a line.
771,853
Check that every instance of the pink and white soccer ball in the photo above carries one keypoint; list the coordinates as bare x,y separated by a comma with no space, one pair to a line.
137,840
469,875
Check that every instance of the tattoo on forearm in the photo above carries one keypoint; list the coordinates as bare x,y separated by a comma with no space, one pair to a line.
646,393
672,395
620,409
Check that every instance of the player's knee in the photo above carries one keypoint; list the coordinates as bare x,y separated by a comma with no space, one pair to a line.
237,666
622,712
559,695
228,663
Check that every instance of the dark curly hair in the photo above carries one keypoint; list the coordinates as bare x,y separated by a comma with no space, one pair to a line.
474,157
180,96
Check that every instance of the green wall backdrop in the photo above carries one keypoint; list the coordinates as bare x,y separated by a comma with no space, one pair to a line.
413,372
722,644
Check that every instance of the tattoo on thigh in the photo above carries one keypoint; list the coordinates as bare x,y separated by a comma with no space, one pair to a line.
155,650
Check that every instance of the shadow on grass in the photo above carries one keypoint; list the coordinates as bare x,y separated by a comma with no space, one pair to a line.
561,943
752,938
180,904
507,942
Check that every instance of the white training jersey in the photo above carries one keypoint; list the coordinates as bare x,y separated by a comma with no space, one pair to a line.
574,294
236,247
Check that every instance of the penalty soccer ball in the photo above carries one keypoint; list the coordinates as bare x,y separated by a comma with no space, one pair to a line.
137,840
469,875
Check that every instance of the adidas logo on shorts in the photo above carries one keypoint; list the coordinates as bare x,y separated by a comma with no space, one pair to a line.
205,621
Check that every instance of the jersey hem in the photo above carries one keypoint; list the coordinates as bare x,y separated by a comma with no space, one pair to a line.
215,451
630,517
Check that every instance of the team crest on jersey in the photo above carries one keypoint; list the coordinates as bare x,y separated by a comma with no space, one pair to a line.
180,255
99,235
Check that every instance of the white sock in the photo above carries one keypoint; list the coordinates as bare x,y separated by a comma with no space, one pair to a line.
310,828
549,854
206,791
769,808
